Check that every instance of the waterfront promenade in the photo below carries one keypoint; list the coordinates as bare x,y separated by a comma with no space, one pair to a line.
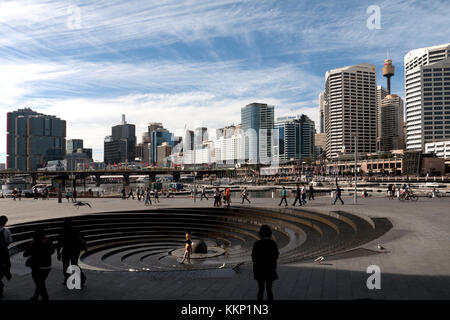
414,266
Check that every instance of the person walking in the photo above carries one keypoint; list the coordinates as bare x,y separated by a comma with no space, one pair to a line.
227,196
14,194
245,195
390,193
19,194
148,199
303,192
283,196
311,192
68,249
138,194
216,197
187,248
131,194
264,256
123,194
35,194
156,192
74,195
203,195
298,193
5,262
39,253
338,195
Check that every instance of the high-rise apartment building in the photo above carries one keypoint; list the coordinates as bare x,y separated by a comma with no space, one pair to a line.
391,119
381,94
33,139
295,138
350,109
427,94
257,120
322,112
121,145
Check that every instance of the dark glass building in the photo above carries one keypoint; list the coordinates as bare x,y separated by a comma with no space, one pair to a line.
257,126
295,138
33,139
121,145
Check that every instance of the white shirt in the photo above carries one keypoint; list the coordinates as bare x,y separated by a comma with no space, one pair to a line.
7,235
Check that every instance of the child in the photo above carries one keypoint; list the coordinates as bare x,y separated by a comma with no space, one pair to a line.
187,248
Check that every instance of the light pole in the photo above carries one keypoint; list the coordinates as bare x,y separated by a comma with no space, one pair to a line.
356,169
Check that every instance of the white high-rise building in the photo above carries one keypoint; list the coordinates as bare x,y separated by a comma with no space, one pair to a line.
322,112
381,93
350,109
427,90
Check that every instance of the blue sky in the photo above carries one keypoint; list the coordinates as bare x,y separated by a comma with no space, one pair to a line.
195,62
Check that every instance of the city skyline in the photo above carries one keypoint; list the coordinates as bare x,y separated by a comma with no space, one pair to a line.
196,58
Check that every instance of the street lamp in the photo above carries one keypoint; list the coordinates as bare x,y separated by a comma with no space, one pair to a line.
356,169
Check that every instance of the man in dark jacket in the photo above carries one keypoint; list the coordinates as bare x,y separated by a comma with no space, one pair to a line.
338,195
311,192
298,196
39,253
70,244
264,255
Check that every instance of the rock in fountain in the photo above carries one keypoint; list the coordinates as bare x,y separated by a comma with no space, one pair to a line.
199,246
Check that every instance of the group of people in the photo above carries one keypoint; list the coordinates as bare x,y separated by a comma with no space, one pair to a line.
142,195
222,198
39,253
300,195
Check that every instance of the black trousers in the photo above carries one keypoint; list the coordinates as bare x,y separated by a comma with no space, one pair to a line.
299,200
311,195
283,199
245,198
68,260
262,285
203,196
39,276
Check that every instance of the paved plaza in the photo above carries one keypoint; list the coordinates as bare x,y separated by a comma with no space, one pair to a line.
416,264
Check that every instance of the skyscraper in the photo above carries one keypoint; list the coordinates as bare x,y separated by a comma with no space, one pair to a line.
381,94
427,90
350,109
33,139
257,121
322,112
159,136
295,138
73,145
391,119
389,114
121,145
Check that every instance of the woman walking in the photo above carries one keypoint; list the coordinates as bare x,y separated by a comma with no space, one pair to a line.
39,253
264,255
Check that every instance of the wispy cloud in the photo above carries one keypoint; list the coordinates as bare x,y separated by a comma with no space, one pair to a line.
193,61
